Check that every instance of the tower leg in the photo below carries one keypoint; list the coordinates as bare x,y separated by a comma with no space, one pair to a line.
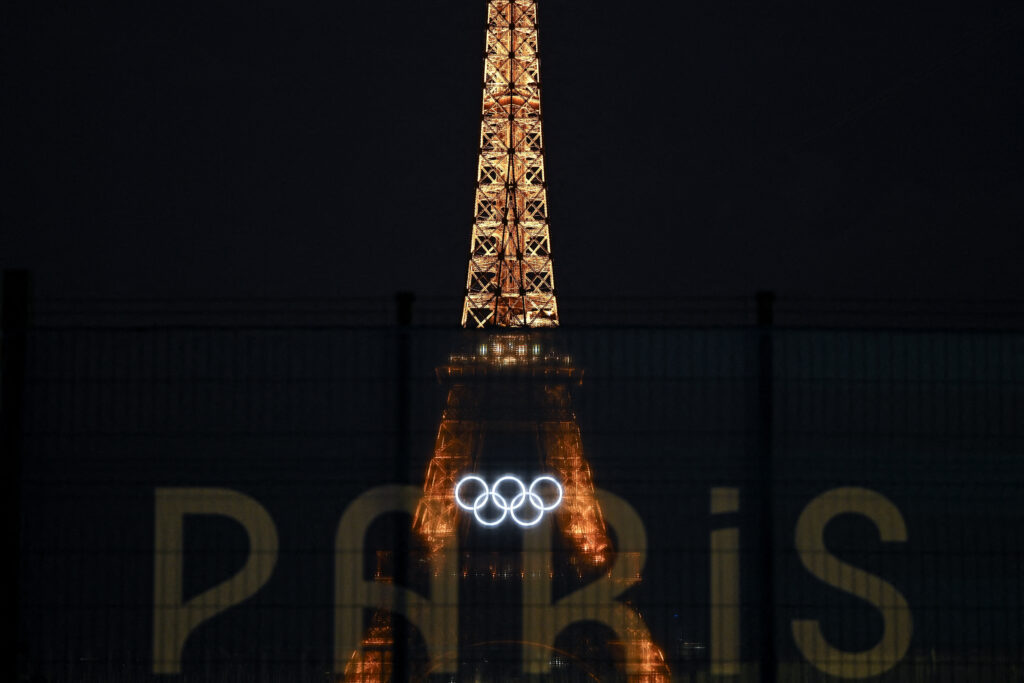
580,514
371,663
436,515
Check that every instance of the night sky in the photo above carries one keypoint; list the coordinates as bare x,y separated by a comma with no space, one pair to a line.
694,148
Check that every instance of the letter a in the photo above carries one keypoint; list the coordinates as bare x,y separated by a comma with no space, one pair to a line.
437,618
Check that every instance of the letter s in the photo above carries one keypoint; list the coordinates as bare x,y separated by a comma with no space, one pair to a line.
810,544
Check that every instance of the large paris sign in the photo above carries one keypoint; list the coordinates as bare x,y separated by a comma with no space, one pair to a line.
545,613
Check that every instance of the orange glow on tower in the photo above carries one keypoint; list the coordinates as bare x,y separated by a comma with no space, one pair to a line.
372,662
534,384
512,382
510,282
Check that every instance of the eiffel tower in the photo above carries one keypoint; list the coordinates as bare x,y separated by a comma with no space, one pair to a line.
508,391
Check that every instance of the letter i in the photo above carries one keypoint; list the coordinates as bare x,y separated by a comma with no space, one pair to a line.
725,586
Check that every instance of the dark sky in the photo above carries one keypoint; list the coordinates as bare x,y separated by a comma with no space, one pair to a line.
694,148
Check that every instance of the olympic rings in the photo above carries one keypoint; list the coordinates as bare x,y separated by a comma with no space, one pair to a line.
508,504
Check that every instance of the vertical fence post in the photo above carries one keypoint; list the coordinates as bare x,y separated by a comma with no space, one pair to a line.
766,479
14,319
403,309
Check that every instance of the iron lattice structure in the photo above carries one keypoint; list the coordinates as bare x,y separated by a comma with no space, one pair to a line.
511,282
511,383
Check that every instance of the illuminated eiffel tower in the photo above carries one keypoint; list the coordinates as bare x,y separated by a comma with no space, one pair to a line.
509,390
510,286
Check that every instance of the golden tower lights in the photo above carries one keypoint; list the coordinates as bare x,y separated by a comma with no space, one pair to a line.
511,380
510,282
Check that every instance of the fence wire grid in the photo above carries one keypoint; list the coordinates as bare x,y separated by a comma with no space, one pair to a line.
232,493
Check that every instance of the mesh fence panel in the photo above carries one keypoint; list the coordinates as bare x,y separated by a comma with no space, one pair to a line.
226,503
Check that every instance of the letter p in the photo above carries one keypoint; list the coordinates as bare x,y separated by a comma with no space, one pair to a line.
174,619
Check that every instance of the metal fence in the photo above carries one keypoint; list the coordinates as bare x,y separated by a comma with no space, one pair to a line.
785,503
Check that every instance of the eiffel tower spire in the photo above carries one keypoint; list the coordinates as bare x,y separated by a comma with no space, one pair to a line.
511,282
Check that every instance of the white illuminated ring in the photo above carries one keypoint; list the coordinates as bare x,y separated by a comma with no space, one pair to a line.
558,487
479,502
508,505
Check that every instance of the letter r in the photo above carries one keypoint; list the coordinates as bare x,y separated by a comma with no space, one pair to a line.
543,621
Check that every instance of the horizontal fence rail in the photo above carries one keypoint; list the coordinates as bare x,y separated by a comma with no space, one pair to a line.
616,311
